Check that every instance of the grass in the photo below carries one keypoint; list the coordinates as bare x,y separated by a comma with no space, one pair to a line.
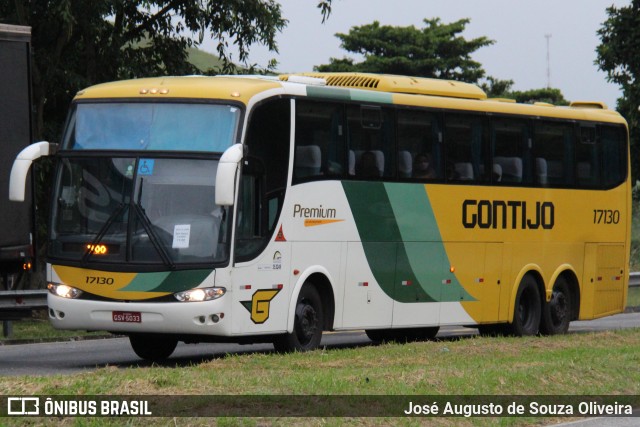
633,298
575,364
38,328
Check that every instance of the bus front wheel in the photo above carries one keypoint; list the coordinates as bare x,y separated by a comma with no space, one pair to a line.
307,325
528,308
152,347
556,314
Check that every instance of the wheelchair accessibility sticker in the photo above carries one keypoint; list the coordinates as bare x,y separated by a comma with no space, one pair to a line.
146,167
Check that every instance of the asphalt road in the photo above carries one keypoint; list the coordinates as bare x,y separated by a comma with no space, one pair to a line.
88,355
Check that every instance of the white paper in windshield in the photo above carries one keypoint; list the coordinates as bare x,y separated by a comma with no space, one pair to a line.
181,234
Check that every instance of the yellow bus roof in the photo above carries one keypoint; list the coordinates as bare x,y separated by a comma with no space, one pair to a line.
202,87
392,89
399,84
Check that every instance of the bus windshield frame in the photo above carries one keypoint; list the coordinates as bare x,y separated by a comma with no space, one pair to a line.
133,202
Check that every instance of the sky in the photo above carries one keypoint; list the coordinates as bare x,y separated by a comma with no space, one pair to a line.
518,28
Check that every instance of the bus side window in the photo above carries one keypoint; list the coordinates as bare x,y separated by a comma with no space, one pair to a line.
510,142
466,147
612,141
553,145
319,146
587,158
371,135
264,177
419,145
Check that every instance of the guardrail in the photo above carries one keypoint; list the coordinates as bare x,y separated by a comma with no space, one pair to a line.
18,304
634,279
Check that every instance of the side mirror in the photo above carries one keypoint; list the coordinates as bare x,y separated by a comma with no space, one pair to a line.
226,175
22,164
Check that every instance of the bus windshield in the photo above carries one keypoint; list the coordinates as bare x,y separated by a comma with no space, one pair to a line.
148,210
158,126
130,190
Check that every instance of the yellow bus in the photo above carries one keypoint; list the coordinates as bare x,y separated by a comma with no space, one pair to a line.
271,209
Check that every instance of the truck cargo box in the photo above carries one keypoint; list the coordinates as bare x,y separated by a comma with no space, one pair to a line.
16,219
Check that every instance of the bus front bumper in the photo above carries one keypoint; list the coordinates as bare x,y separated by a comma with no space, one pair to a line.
184,318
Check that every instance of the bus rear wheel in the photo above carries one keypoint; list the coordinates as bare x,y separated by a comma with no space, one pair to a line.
556,314
307,325
528,308
152,347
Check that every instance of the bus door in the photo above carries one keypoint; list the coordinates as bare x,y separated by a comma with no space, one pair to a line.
261,259
603,281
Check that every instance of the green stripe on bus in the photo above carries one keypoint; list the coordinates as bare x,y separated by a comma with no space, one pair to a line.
343,94
328,92
174,281
183,280
402,242
371,96
145,282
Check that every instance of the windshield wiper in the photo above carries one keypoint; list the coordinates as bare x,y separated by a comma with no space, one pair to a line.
103,230
148,227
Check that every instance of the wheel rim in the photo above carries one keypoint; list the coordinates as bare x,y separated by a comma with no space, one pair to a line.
525,309
558,307
306,323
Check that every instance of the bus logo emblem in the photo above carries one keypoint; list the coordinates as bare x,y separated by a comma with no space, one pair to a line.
260,304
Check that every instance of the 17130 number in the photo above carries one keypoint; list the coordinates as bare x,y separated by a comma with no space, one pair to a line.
606,216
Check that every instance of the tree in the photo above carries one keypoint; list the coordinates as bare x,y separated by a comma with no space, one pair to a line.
78,43
618,57
434,51
437,50
495,88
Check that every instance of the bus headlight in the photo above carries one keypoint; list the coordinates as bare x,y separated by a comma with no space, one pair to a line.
200,294
64,291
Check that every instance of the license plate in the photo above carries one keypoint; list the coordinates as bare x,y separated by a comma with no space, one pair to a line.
127,316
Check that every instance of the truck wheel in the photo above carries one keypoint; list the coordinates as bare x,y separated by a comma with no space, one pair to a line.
527,312
152,347
307,326
556,314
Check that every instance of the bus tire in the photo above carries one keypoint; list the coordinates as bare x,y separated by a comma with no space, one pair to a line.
307,325
152,347
556,314
528,308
